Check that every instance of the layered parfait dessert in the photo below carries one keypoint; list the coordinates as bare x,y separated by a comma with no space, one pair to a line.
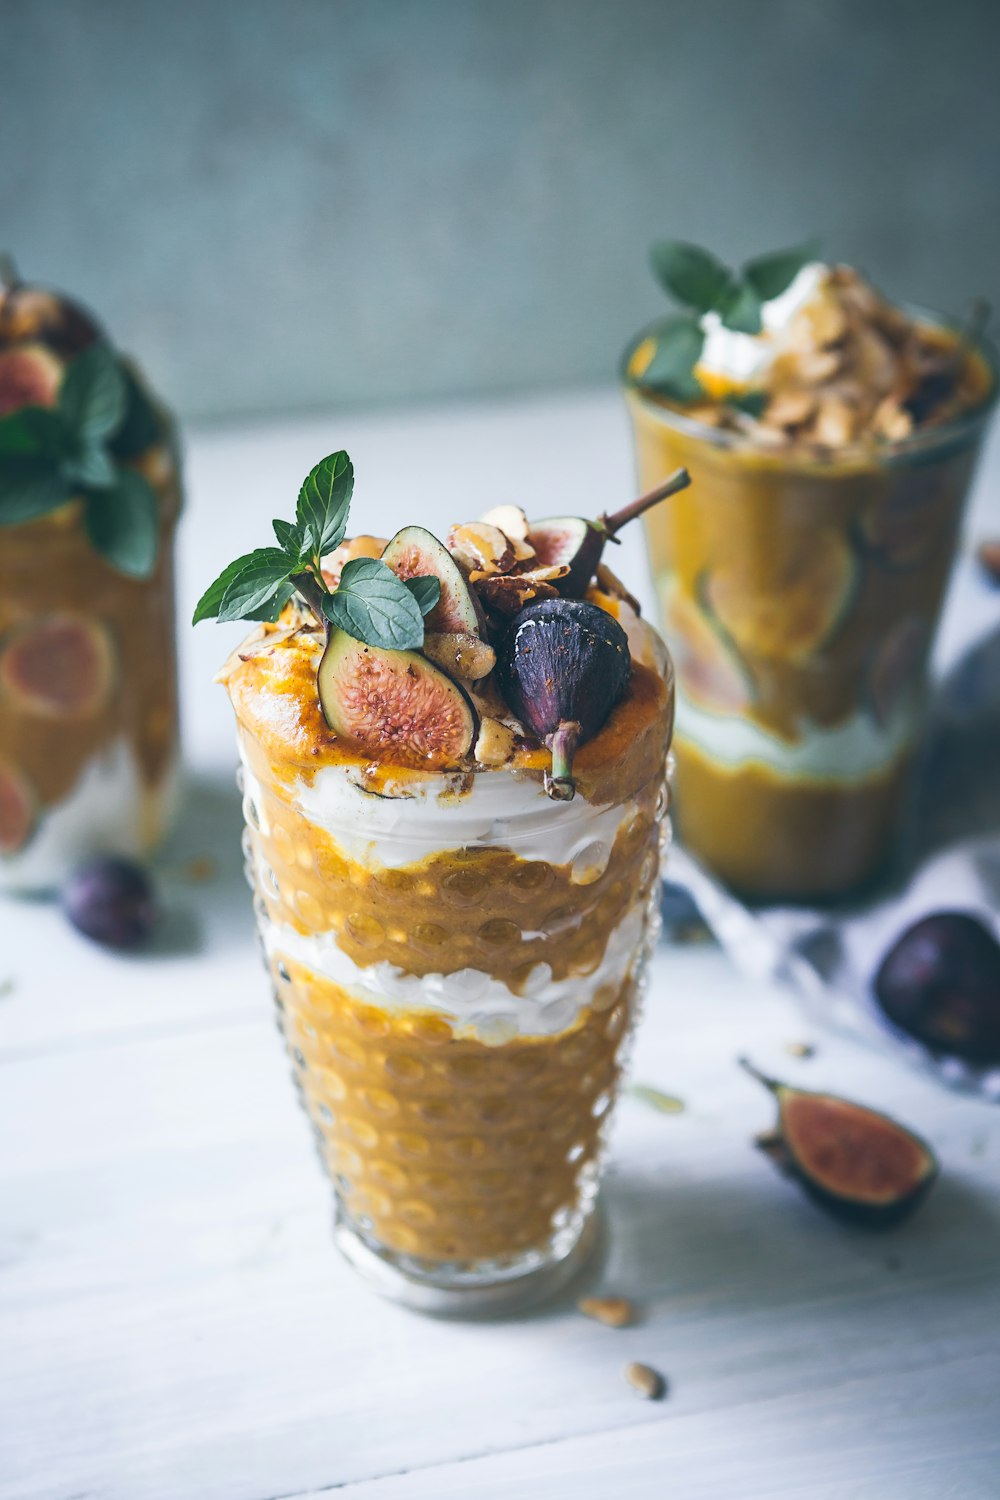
832,436
453,766
89,496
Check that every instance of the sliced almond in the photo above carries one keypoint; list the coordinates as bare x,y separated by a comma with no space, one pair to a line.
510,519
613,1312
645,1381
481,548
495,743
891,420
460,654
789,408
835,423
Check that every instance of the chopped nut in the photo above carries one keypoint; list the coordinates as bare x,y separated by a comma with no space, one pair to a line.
789,409
834,422
645,1381
461,654
816,366
495,744
613,1312
891,420
481,548
510,519
511,592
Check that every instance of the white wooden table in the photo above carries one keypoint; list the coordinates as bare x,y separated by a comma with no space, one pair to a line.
173,1319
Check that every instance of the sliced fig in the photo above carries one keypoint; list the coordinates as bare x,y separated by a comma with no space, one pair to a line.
940,983
32,313
60,665
354,546
460,655
395,704
578,544
482,550
785,605
29,376
17,809
853,1161
563,666
415,553
709,669
897,667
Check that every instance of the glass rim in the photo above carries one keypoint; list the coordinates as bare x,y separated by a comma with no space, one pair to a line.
966,425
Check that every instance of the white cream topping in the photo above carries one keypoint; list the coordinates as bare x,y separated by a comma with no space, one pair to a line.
846,752
480,1006
109,811
743,357
504,809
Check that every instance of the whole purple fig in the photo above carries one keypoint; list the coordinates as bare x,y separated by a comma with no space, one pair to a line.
111,901
940,982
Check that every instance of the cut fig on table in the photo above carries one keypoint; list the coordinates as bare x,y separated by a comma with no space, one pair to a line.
17,810
709,669
579,544
30,375
940,983
415,553
563,665
857,1164
61,666
789,604
394,703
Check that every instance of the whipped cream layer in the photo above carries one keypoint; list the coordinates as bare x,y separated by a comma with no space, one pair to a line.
407,822
478,1006
744,357
853,750
110,810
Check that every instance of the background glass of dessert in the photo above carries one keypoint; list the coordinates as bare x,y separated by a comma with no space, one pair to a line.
457,961
801,578
88,694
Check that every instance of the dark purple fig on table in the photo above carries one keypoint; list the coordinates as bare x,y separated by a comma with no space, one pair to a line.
395,704
854,1162
578,544
415,553
111,901
563,665
940,983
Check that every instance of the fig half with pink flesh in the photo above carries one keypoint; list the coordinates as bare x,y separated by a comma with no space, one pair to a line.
853,1161
61,666
415,553
30,375
17,809
394,704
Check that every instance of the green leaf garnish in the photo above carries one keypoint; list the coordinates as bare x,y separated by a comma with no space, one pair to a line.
289,539
324,504
255,584
93,467
426,590
740,309
375,606
691,275
142,425
93,394
770,275
754,403
679,342
123,524
30,486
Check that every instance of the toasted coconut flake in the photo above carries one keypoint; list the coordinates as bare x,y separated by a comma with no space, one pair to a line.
510,519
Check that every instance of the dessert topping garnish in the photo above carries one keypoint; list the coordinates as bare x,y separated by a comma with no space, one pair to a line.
369,602
68,427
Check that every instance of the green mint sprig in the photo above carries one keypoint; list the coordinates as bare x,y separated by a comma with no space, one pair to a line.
101,418
370,603
700,283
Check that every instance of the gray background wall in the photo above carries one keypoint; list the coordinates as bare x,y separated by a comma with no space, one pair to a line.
290,203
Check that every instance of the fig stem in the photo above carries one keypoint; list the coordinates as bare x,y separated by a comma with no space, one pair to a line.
614,523
306,585
559,783
769,1083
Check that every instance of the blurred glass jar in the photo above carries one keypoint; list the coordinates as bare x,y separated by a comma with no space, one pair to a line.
89,499
799,594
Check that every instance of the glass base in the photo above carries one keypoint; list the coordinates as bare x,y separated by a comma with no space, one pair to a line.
466,1293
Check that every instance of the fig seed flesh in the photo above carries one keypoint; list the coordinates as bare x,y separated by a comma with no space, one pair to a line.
415,553
61,666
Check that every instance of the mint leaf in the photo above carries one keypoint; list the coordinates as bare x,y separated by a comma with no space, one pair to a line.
142,425
92,467
426,590
93,394
272,609
30,487
375,606
691,275
289,540
254,585
679,342
324,503
123,524
211,600
770,275
21,433
754,403
740,309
